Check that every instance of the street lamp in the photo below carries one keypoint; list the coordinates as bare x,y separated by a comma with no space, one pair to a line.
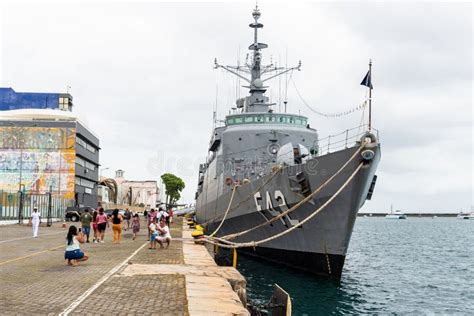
100,171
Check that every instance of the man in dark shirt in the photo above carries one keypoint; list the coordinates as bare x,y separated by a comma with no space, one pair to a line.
86,219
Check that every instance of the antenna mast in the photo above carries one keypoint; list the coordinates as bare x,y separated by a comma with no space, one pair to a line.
257,101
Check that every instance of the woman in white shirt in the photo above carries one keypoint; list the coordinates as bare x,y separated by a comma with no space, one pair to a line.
73,252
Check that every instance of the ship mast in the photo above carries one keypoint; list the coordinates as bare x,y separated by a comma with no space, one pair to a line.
256,101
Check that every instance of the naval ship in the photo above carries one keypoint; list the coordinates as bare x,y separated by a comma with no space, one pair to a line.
262,163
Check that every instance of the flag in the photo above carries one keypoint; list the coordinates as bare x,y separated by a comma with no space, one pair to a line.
367,81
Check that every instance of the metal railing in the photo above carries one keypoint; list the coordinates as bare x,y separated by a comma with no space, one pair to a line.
343,140
19,205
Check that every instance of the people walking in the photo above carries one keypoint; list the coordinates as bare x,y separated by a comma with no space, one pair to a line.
73,252
117,220
102,223
127,216
35,221
135,225
164,235
86,219
94,227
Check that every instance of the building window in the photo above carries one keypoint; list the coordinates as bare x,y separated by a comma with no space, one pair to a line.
85,183
64,103
86,145
81,142
90,166
90,148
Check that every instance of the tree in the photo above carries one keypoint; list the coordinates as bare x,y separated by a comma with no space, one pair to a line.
173,187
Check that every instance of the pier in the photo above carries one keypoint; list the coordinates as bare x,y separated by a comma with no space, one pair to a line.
126,278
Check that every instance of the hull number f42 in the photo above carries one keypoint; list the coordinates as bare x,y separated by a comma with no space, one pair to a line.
268,205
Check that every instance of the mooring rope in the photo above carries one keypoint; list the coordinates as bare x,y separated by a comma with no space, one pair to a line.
296,206
231,245
226,212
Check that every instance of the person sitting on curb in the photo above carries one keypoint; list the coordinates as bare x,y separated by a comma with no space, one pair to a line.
73,252
163,234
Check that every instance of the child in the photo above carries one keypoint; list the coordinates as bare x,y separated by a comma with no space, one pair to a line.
135,225
153,234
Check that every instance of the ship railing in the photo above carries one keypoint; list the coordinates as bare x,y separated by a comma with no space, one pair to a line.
343,140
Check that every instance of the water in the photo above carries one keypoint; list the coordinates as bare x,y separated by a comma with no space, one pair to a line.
414,266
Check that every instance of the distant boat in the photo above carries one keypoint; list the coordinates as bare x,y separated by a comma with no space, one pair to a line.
465,216
396,215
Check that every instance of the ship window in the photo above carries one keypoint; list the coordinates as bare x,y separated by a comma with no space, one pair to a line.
230,121
270,119
282,119
249,119
259,119
238,120
291,120
298,121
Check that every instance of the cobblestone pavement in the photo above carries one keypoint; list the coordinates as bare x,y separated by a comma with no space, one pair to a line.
34,278
139,294
9,232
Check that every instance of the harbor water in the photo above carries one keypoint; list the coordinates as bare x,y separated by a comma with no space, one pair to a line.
413,266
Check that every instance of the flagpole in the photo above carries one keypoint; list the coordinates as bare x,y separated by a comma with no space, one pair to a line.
370,96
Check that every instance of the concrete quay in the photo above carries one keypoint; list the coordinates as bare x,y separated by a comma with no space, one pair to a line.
118,279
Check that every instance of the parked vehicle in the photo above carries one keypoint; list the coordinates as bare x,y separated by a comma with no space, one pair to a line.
74,213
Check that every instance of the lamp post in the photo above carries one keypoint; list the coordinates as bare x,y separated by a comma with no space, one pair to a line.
102,169
21,195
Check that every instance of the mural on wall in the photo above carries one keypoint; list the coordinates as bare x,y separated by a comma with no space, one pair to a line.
41,159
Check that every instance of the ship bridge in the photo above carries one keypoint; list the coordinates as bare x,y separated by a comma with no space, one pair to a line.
267,118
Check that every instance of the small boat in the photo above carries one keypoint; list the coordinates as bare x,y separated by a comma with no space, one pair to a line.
396,215
465,216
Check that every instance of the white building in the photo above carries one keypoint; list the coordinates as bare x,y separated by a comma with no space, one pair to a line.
138,193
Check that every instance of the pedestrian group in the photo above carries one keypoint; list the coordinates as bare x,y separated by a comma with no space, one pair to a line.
157,223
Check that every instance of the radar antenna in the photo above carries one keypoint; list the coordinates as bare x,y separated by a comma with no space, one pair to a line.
257,101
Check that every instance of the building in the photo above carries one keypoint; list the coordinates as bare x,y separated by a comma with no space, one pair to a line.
135,192
11,100
45,148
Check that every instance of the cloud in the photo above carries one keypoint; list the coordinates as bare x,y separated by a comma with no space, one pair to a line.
142,77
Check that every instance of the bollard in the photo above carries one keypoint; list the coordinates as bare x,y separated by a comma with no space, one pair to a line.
234,261
64,224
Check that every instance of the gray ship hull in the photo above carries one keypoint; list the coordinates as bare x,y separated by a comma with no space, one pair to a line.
320,245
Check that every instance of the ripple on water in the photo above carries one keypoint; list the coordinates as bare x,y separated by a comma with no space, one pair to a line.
417,266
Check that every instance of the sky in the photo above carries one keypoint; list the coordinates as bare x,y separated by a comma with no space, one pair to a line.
142,79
